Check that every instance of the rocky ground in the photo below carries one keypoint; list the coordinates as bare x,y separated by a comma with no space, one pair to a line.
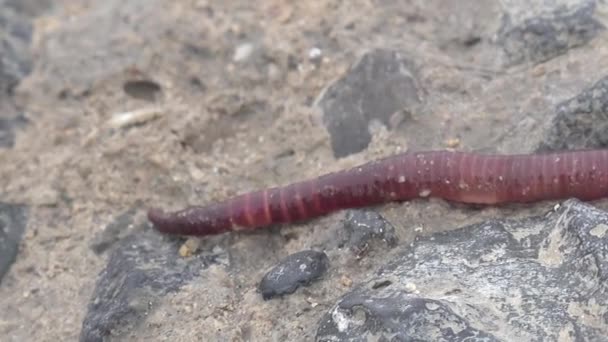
110,107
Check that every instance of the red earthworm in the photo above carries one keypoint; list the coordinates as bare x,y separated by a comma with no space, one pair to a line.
453,176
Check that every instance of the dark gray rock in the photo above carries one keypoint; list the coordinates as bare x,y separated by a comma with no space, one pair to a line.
298,269
364,227
15,59
379,85
399,317
547,34
30,8
15,63
8,126
535,279
114,231
580,122
143,267
13,219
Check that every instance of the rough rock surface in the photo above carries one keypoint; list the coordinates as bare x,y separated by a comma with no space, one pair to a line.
298,269
547,29
15,63
132,104
540,278
580,121
381,86
144,267
13,219
364,230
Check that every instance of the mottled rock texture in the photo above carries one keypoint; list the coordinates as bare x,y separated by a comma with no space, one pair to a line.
538,278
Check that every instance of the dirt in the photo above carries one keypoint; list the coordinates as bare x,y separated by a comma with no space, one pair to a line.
220,127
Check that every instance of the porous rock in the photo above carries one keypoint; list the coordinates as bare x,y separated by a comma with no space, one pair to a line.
540,278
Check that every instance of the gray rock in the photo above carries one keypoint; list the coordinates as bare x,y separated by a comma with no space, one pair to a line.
364,227
13,219
8,126
535,279
15,63
143,267
113,232
379,85
543,35
580,122
30,8
15,59
298,269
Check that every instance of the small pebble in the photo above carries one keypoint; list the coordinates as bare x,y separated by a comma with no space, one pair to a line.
346,281
298,269
136,117
189,247
314,54
452,143
242,52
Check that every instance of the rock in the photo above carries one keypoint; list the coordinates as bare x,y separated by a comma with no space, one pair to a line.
8,127
539,278
538,34
15,63
113,232
28,8
298,269
379,85
404,316
15,59
142,268
13,220
580,122
363,227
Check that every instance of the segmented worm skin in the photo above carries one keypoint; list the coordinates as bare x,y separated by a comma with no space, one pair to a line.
453,176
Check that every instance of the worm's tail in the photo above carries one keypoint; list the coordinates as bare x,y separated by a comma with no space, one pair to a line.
191,221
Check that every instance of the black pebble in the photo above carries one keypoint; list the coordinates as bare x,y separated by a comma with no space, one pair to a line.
292,272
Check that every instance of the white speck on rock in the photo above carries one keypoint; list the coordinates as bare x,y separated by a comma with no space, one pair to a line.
599,231
342,321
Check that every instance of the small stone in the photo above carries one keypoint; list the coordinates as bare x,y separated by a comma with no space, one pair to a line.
381,83
539,34
315,54
242,52
135,117
346,281
363,227
452,143
577,122
189,247
299,269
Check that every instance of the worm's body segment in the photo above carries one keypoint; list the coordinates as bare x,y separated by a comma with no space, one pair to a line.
453,176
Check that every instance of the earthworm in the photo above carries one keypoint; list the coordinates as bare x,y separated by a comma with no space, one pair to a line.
488,179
